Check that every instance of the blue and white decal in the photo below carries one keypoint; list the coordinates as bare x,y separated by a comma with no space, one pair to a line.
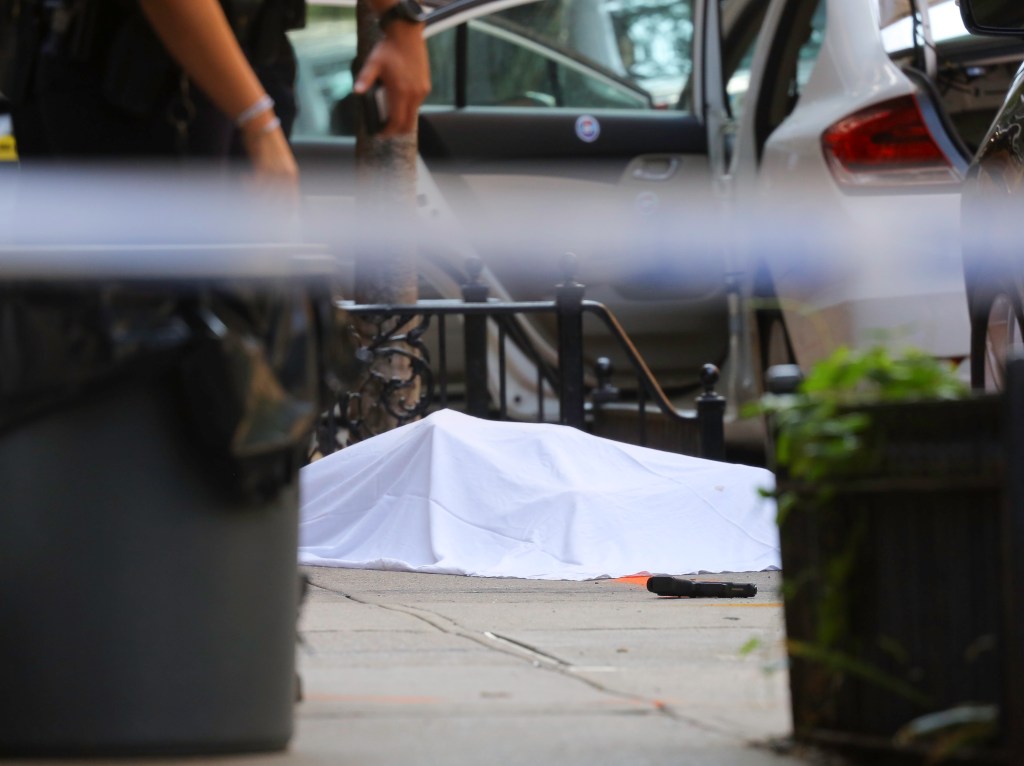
587,128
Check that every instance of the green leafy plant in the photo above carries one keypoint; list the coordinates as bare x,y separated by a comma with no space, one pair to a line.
820,435
824,436
819,430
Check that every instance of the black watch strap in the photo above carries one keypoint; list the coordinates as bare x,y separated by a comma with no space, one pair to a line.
403,10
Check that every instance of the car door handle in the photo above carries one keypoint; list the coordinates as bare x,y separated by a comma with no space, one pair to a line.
655,168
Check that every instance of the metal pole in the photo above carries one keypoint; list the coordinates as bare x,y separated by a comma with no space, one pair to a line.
475,338
569,305
711,416
442,357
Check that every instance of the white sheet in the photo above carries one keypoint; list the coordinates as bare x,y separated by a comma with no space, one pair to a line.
454,494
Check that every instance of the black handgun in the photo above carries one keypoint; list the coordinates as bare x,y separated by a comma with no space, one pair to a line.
681,587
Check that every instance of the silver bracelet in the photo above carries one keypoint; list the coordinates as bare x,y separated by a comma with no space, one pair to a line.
270,127
262,104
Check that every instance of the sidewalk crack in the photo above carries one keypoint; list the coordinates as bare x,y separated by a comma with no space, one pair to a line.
528,653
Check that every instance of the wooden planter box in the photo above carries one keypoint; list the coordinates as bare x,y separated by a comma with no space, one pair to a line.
905,565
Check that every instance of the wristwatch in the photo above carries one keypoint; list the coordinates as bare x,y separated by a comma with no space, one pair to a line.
403,10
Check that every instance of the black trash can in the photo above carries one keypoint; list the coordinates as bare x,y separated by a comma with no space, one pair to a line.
148,515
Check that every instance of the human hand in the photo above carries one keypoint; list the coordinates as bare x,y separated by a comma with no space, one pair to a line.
275,172
400,62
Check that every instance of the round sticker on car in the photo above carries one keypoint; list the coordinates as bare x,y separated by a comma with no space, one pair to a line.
587,128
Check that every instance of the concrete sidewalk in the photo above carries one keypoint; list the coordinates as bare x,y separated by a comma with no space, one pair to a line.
404,669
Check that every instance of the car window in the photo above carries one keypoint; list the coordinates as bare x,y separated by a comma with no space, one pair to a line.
507,68
902,32
441,50
655,40
741,23
610,54
584,54
324,51
648,43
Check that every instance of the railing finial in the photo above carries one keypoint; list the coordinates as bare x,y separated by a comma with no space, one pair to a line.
605,392
570,266
474,268
709,376
473,290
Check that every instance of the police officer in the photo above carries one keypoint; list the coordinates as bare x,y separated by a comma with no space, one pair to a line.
106,80
164,78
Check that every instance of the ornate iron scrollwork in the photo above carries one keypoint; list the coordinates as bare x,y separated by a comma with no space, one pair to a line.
394,384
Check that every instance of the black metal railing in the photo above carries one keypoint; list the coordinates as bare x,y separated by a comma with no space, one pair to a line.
401,330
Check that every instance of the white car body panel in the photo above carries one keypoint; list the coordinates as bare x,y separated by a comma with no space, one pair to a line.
893,259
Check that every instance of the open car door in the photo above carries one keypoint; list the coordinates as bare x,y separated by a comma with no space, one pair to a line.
558,125
580,125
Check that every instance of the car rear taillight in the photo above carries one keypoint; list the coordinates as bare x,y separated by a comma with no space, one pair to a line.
887,145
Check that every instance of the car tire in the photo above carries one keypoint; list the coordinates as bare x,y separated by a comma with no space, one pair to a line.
996,333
